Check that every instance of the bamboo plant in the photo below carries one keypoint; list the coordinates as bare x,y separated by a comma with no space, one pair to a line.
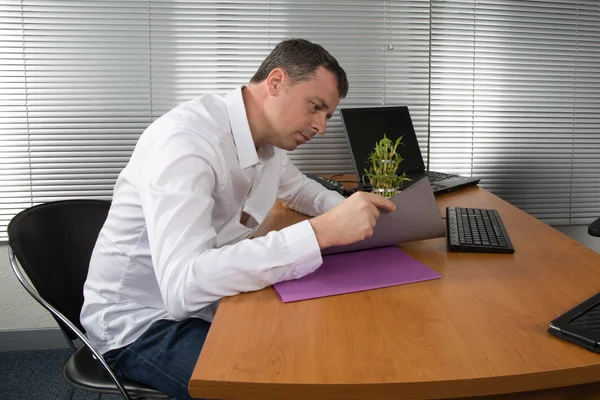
384,160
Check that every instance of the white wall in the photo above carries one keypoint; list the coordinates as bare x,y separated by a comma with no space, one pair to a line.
19,311
579,233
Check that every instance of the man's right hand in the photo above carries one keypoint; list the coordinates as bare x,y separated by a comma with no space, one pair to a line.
350,221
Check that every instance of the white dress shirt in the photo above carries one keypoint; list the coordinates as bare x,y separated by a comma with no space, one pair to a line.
174,244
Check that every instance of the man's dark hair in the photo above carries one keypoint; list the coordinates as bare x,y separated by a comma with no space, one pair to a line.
300,59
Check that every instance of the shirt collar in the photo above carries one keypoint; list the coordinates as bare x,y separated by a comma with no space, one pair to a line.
238,121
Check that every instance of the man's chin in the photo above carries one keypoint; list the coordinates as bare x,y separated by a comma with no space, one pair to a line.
290,146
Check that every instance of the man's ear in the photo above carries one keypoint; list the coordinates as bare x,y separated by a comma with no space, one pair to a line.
276,81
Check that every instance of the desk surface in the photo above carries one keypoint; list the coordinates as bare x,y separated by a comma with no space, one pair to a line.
480,330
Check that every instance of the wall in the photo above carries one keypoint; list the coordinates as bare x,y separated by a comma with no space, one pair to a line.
579,233
18,310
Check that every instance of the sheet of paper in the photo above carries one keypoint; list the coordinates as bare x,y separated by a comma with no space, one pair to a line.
356,271
417,217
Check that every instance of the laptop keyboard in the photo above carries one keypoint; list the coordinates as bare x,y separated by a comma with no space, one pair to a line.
437,176
415,177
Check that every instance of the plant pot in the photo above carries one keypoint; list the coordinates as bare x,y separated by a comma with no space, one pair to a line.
386,192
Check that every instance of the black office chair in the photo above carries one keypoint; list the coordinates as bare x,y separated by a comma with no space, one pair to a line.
52,244
594,228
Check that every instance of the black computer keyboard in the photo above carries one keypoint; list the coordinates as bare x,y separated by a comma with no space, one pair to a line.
476,230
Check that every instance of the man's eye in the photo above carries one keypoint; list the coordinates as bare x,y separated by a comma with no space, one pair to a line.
314,107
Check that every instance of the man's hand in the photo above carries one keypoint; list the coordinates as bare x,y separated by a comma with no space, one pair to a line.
351,220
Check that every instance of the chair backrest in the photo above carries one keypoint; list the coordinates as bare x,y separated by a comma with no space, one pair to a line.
53,242
594,228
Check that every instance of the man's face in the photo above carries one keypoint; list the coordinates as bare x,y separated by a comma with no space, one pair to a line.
299,111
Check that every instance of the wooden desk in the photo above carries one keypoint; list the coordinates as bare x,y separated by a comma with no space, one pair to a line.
478,331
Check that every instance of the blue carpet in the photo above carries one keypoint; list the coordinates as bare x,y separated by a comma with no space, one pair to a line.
35,375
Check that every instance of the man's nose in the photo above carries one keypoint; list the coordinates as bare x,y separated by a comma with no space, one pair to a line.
318,125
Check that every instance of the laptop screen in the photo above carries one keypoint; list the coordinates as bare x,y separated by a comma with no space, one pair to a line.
366,126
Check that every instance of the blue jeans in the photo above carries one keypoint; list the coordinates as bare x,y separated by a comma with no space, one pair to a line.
164,356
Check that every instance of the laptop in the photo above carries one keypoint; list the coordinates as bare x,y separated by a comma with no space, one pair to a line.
366,126
580,325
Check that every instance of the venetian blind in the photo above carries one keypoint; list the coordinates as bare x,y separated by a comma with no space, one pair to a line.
80,80
515,100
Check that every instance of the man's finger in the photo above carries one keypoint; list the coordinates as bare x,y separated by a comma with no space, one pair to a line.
381,202
373,221
374,211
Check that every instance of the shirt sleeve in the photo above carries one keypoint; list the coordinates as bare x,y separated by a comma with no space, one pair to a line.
176,192
303,194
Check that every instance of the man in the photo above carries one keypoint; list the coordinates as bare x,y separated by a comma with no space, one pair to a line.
200,180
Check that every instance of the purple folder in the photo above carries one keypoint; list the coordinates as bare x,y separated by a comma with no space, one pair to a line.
356,271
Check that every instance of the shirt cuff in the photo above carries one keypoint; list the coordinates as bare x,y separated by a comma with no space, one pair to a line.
304,248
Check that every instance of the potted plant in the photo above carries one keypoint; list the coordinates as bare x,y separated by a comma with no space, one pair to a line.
384,160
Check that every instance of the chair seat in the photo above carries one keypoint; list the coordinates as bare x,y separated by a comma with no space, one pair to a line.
82,371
